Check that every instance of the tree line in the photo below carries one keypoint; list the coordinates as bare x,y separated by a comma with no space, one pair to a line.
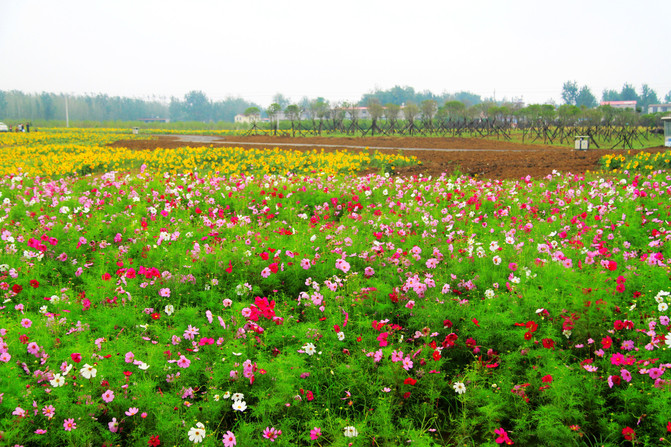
391,104
18,106
572,94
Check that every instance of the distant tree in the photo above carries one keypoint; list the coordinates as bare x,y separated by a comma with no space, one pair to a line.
280,99
569,93
254,113
273,111
568,113
391,111
467,98
376,112
410,111
293,112
667,98
585,98
196,106
375,109
47,106
628,93
176,109
429,107
648,96
610,95
608,112
317,108
3,103
453,110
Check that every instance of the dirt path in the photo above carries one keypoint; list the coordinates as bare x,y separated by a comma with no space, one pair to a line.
484,158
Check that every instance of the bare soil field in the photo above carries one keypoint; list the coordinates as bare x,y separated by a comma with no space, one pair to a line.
484,158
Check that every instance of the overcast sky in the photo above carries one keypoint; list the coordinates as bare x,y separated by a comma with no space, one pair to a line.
336,49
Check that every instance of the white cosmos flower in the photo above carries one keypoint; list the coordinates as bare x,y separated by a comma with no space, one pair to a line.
239,405
197,433
309,349
57,381
88,371
350,432
238,396
459,387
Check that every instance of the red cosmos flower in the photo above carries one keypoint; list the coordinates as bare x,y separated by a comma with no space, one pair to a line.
154,441
16,288
410,381
612,265
447,324
607,342
76,357
34,283
436,355
548,343
155,316
668,427
106,277
336,328
406,395
628,433
528,335
475,320
273,267
23,338
230,267
264,256
618,325
547,379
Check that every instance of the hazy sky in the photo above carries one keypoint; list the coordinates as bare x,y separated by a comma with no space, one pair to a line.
336,49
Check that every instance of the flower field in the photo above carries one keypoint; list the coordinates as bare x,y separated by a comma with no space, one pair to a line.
61,152
178,301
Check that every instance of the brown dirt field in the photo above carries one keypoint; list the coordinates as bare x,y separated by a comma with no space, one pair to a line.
484,158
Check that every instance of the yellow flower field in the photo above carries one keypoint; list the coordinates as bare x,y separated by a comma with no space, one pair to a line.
56,153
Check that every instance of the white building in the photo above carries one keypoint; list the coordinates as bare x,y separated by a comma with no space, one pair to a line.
620,104
655,108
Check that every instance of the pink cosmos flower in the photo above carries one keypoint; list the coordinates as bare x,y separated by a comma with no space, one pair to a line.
33,348
315,433
626,375
229,439
69,424
131,411
108,396
113,425
40,431
271,433
382,338
503,436
5,357
183,362
26,323
49,411
305,263
164,292
343,265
